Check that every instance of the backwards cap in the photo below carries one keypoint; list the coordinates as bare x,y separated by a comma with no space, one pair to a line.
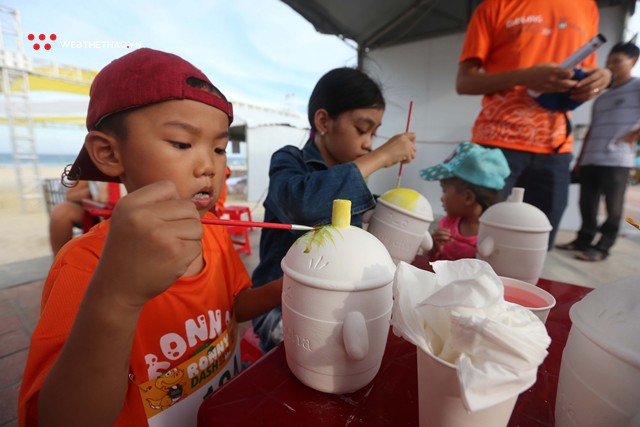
142,77
486,167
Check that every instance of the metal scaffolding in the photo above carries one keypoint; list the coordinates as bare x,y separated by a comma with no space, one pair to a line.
20,75
15,91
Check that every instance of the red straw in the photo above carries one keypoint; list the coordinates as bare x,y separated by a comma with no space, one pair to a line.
232,222
407,130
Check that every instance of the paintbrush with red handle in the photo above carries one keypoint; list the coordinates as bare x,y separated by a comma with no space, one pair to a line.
229,222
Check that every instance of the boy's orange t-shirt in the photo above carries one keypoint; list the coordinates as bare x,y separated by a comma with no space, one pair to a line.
186,341
512,34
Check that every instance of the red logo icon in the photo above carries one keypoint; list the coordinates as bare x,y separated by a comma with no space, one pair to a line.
41,37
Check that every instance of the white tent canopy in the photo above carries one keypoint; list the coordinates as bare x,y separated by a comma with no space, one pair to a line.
265,130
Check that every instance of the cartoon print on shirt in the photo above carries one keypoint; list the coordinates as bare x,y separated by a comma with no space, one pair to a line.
173,383
198,331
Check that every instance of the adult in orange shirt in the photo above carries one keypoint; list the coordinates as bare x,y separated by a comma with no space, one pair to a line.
513,46
139,316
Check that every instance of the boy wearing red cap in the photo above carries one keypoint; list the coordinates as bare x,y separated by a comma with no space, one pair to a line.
139,316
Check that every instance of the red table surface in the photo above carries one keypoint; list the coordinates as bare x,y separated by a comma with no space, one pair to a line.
268,394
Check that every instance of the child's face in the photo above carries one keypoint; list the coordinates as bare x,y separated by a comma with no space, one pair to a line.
350,135
453,200
183,141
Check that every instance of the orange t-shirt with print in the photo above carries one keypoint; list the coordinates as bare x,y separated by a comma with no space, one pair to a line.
185,344
512,34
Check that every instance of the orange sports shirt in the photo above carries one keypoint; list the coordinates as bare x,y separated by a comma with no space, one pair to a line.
186,342
511,34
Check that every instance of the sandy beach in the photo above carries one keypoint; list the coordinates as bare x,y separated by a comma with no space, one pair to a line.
23,235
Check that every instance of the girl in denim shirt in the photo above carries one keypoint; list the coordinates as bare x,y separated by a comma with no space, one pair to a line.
345,110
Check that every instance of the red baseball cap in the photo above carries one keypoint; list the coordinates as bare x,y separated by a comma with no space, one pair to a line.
142,77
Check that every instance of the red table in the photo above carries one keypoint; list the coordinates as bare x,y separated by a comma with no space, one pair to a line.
268,394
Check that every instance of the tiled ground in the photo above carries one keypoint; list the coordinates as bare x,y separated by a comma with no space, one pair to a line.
19,312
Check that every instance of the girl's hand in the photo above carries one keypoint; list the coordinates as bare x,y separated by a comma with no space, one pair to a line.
153,238
399,149
441,237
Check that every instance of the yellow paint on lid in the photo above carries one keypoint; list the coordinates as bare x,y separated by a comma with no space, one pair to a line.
341,214
405,198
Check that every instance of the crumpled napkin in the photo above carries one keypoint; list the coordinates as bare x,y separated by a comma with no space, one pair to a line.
458,314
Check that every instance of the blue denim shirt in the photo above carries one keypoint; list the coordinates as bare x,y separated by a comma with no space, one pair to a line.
302,189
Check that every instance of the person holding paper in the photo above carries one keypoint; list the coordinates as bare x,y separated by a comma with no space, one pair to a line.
511,48
608,156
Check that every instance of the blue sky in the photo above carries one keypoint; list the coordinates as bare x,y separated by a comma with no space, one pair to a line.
256,51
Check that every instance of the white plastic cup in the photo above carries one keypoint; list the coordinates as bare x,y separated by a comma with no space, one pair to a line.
537,300
440,402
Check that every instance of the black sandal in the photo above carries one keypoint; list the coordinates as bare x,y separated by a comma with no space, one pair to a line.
573,246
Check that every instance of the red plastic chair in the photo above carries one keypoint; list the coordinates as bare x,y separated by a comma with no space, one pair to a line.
240,238
250,350
236,212
239,235
89,220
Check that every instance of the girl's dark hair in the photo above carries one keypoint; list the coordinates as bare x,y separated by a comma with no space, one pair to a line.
486,197
629,49
344,89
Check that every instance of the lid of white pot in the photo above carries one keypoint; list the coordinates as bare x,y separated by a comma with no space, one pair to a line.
610,315
514,214
408,200
339,256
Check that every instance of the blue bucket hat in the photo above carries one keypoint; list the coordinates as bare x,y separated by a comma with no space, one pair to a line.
486,167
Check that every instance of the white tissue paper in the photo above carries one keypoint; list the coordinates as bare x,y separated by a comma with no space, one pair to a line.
458,314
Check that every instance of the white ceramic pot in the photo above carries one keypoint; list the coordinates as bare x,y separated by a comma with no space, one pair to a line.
599,382
401,221
336,305
513,238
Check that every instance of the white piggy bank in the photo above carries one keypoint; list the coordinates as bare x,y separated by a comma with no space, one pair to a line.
513,238
336,306
401,221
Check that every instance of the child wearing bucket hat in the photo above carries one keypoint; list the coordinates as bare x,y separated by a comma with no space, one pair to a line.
471,179
139,316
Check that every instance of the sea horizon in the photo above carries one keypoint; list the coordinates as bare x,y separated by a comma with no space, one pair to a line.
44,159
63,159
